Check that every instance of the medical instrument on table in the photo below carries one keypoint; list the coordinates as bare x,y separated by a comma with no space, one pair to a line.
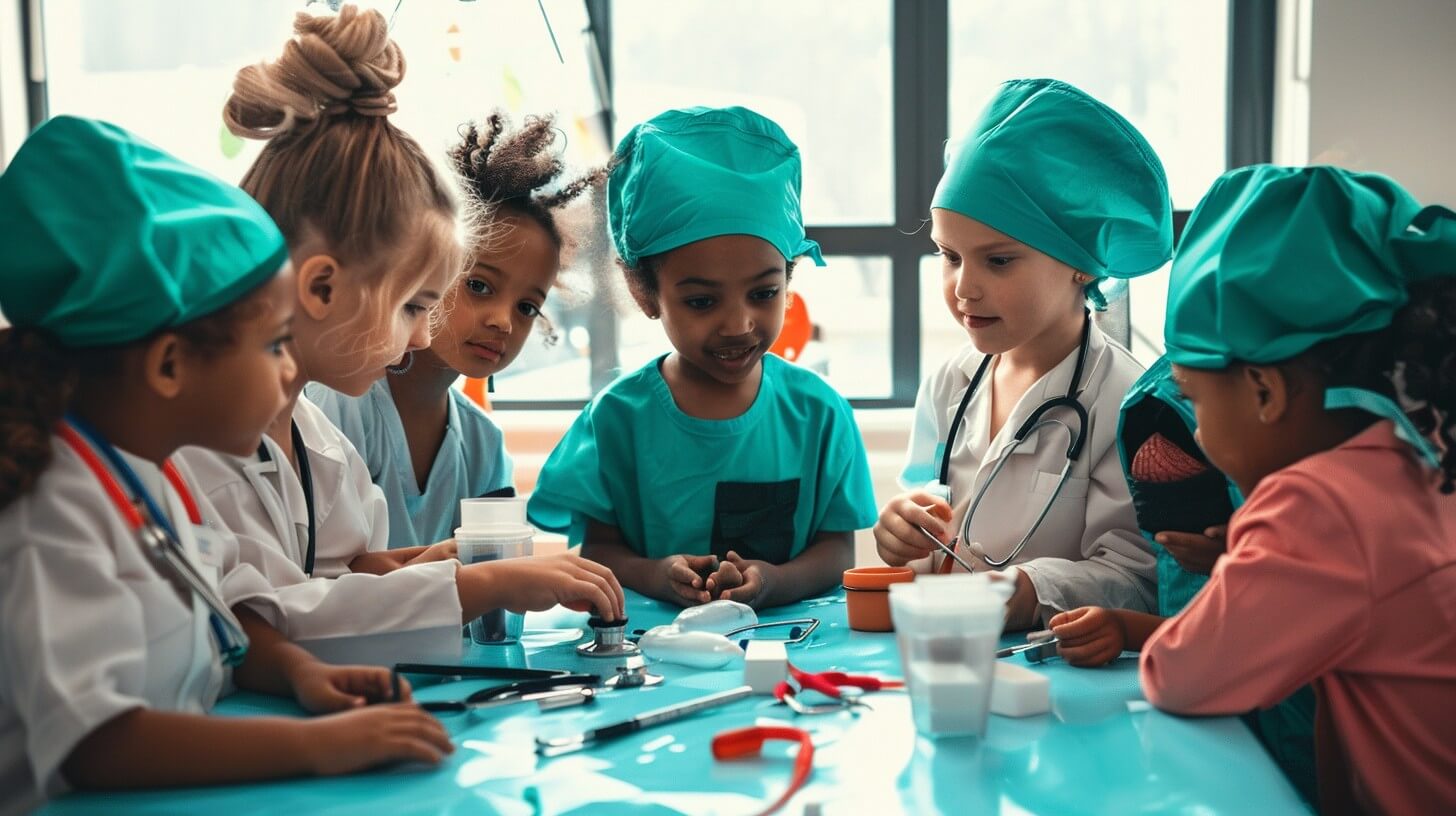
748,742
948,549
1039,646
632,673
544,700
520,681
676,711
156,535
799,630
305,478
1076,441
609,639
844,689
702,649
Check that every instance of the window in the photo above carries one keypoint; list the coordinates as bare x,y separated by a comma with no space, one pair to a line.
871,97
166,73
821,73
1162,65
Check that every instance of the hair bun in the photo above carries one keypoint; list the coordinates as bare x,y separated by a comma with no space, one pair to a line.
333,65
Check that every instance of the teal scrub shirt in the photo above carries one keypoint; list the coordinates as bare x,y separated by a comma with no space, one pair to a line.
762,484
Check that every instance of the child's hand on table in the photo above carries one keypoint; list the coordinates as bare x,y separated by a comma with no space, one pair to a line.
321,688
1089,636
686,577
738,579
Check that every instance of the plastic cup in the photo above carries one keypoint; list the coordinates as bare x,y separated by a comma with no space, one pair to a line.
492,530
947,627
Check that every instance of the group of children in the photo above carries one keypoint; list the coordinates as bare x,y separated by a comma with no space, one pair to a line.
233,455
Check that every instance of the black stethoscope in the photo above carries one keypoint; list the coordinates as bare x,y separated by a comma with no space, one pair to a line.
305,477
154,531
1074,450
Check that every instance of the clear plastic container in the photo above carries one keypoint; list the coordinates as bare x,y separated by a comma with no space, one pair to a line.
492,530
948,627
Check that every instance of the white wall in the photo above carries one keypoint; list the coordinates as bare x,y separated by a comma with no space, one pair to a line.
1379,93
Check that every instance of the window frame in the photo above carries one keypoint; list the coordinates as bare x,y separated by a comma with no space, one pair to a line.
920,66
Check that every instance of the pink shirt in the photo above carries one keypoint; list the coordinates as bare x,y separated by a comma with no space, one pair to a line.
1341,571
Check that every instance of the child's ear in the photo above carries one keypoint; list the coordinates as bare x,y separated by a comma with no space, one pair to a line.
1271,388
317,279
164,365
646,301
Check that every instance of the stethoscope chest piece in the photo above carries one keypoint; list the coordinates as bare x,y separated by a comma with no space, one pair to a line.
609,639
633,673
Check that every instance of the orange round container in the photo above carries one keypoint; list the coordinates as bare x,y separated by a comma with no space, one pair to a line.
867,594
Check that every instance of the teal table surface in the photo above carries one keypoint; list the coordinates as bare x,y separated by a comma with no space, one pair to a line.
1102,749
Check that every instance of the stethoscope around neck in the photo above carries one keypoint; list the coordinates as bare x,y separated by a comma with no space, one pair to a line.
1037,420
155,533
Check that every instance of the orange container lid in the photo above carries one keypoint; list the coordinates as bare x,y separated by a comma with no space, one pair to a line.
876,577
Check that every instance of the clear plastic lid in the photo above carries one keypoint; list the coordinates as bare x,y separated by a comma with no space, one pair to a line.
950,604
494,518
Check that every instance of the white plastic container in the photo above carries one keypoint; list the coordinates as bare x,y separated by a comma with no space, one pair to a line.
492,530
948,627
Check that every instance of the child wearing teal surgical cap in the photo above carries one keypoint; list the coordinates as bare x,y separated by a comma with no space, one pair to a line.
151,307
1051,195
1183,506
1310,324
718,470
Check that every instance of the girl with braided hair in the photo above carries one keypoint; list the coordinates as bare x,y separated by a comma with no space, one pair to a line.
426,444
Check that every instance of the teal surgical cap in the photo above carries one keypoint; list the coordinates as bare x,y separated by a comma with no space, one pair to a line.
1066,175
696,173
107,239
1276,260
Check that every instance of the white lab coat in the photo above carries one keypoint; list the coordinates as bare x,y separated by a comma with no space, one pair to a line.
1088,551
89,628
411,614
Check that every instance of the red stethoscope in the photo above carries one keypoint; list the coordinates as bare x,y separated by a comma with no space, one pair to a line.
748,742
154,532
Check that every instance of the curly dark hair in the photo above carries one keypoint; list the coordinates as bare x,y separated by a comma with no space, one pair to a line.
1412,361
39,376
507,171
